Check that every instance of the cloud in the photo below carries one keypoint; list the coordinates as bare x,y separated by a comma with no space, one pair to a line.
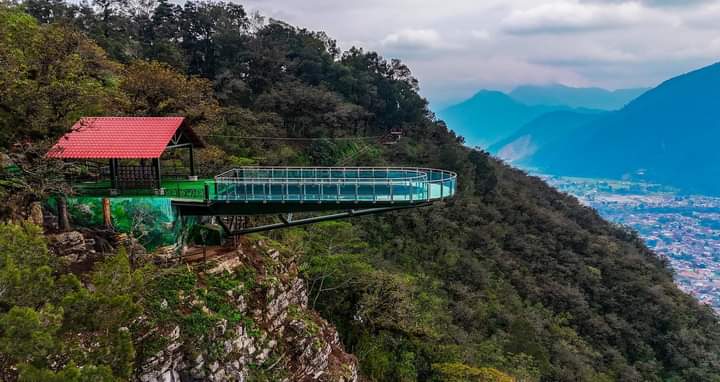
589,57
656,3
413,39
570,17
480,34
456,47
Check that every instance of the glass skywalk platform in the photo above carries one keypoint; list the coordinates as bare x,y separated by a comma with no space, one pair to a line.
332,184
258,190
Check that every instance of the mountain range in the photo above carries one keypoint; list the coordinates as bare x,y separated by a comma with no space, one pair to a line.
589,98
490,116
541,132
666,135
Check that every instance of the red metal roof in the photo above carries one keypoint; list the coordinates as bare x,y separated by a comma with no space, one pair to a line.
117,137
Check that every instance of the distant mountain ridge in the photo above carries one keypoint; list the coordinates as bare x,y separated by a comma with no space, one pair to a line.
490,116
668,135
561,95
540,132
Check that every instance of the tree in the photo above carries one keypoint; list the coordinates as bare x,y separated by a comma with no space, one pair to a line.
70,373
153,88
49,77
32,178
455,372
207,29
29,336
310,111
53,324
24,261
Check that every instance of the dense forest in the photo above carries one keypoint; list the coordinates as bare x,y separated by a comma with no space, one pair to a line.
511,280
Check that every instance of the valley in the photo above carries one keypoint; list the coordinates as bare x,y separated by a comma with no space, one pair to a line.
684,229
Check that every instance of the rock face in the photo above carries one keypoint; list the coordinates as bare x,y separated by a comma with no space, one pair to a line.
71,247
285,342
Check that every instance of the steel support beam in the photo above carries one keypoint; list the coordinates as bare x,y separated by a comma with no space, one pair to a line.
293,223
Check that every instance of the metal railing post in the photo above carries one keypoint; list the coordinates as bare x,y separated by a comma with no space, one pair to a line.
392,197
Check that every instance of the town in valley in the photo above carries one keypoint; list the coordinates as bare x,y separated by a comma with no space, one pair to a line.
685,229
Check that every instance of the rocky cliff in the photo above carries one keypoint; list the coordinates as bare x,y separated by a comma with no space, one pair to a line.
237,314
240,316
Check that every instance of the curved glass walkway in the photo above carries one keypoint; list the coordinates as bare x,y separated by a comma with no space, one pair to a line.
328,184
270,190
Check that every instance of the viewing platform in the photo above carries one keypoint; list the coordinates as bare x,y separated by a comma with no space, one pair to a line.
253,190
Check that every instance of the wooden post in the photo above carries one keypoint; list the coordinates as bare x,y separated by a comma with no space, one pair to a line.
158,178
113,174
63,219
192,161
107,214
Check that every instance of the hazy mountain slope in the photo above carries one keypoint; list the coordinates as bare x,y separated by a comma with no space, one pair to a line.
668,135
490,116
539,132
591,98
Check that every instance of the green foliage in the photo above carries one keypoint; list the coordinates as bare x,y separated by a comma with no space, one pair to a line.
52,323
456,372
71,373
50,76
24,244
178,297
29,336
24,261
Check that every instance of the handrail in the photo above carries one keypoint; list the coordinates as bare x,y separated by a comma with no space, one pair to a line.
236,174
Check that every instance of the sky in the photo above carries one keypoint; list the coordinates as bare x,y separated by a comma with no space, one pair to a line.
457,47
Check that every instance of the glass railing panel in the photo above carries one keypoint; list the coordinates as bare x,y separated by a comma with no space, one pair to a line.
338,184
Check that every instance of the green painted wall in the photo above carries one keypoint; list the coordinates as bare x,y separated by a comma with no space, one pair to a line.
152,219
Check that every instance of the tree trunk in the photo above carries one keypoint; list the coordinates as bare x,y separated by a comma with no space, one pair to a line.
107,213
